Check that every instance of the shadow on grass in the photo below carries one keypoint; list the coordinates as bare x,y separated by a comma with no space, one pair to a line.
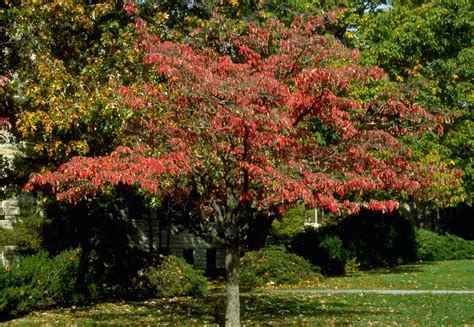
255,309
288,310
410,268
414,268
174,312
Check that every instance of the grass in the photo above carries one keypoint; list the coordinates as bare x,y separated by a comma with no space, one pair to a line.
441,275
301,309
277,309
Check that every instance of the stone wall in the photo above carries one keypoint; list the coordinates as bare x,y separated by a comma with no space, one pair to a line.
9,208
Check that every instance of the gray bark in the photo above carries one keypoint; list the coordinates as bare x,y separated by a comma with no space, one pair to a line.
232,315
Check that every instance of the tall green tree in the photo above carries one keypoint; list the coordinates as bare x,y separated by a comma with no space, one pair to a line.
428,45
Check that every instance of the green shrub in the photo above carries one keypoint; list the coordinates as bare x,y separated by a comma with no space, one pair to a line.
275,265
37,281
26,233
175,277
378,240
112,273
435,247
370,239
15,301
323,248
336,255
352,266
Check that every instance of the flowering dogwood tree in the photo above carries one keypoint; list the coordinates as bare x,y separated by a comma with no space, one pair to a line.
284,115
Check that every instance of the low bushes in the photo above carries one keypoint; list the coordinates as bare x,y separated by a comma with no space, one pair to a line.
174,277
40,281
434,247
370,239
322,249
112,273
275,265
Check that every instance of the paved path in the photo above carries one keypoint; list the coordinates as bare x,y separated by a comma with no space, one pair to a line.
313,291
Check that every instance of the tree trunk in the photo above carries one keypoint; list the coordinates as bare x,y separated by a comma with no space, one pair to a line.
232,314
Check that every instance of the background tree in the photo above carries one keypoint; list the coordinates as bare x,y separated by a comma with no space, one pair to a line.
285,228
63,60
272,121
428,46
66,56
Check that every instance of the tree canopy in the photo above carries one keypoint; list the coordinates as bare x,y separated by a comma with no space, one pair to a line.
428,46
274,116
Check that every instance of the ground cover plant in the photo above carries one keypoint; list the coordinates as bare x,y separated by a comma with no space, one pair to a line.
302,309
40,281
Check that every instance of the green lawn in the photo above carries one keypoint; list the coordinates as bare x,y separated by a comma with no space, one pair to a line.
302,309
442,275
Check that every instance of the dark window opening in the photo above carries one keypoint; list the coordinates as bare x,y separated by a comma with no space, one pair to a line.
188,255
211,265
93,2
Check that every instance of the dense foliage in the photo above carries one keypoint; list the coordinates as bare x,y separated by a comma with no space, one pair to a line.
73,277
275,266
27,232
434,247
428,46
101,228
39,281
285,228
174,277
369,239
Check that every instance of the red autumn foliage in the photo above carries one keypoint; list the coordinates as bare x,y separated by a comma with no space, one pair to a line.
245,128
267,122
